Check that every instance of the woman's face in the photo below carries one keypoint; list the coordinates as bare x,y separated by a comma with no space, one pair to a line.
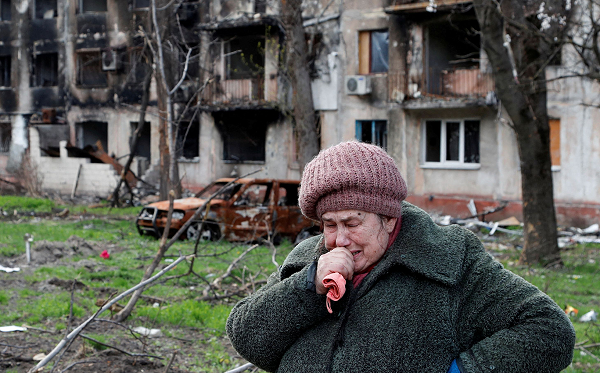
364,234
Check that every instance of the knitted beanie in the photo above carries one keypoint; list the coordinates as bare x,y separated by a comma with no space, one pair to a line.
352,176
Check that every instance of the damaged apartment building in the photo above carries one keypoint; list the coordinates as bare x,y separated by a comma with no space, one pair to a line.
392,73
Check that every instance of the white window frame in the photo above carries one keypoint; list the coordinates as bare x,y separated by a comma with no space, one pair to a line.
443,163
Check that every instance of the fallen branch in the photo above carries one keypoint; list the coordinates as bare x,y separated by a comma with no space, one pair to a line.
118,349
78,330
588,353
79,362
217,281
170,362
241,368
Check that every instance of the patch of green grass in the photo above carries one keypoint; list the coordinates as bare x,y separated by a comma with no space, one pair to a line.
189,313
4,297
98,337
49,306
29,204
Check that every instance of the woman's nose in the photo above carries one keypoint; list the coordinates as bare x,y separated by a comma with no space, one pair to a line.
341,239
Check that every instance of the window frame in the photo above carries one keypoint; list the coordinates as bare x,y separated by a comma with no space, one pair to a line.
443,163
365,51
84,11
80,72
52,59
373,122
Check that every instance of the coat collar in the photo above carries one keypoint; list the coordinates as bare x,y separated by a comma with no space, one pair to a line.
426,248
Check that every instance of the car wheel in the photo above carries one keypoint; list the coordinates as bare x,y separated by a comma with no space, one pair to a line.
210,231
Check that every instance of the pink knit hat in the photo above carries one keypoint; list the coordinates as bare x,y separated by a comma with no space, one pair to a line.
352,176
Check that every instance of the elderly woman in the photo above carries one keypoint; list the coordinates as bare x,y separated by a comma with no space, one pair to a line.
417,297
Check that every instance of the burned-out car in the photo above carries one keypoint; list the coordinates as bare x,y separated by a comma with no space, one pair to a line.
245,210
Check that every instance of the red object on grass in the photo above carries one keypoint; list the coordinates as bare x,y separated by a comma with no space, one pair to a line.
105,254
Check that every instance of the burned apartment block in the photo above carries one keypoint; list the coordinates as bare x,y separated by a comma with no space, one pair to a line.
71,74
412,77
408,75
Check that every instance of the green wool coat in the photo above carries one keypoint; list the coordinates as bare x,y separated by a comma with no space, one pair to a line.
435,296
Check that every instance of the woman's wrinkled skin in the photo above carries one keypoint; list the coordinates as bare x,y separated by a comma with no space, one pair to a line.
355,239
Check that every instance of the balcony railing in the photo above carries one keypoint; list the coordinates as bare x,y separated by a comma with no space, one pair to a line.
442,82
240,92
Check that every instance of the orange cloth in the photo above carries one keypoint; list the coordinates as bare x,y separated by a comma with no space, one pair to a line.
336,284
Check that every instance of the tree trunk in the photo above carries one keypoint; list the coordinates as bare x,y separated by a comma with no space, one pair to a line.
523,95
302,100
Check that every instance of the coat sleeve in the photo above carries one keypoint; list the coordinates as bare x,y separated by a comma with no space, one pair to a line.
506,324
264,325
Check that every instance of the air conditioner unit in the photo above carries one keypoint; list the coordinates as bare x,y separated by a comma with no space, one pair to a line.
358,85
109,60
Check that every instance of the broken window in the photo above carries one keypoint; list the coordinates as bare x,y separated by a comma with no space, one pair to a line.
260,6
288,194
45,9
45,70
255,195
138,4
451,142
89,6
555,143
245,57
373,52
244,134
5,10
89,70
5,71
143,144
372,132
453,56
5,136
188,140
89,133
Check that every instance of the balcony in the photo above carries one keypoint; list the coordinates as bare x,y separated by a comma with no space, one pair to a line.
446,84
240,93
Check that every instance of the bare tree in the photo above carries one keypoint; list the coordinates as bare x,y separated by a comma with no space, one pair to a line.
520,39
299,74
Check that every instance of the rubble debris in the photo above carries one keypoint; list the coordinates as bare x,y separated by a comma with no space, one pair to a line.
589,317
509,222
571,311
12,328
9,270
148,332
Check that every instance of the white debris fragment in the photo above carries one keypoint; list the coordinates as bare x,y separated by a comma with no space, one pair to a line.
9,270
590,316
594,228
153,333
12,328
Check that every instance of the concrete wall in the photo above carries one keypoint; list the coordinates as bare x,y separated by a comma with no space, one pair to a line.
61,174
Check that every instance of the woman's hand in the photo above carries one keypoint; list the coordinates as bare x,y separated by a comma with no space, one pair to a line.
338,260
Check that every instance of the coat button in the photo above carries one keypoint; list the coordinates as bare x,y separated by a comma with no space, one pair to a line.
492,367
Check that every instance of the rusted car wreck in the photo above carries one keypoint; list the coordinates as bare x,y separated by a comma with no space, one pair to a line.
246,210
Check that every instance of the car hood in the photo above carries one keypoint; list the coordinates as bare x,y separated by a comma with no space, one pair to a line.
190,203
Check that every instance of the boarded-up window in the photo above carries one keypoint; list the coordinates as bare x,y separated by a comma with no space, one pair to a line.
4,71
373,52
89,70
45,9
90,6
555,141
45,70
5,135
